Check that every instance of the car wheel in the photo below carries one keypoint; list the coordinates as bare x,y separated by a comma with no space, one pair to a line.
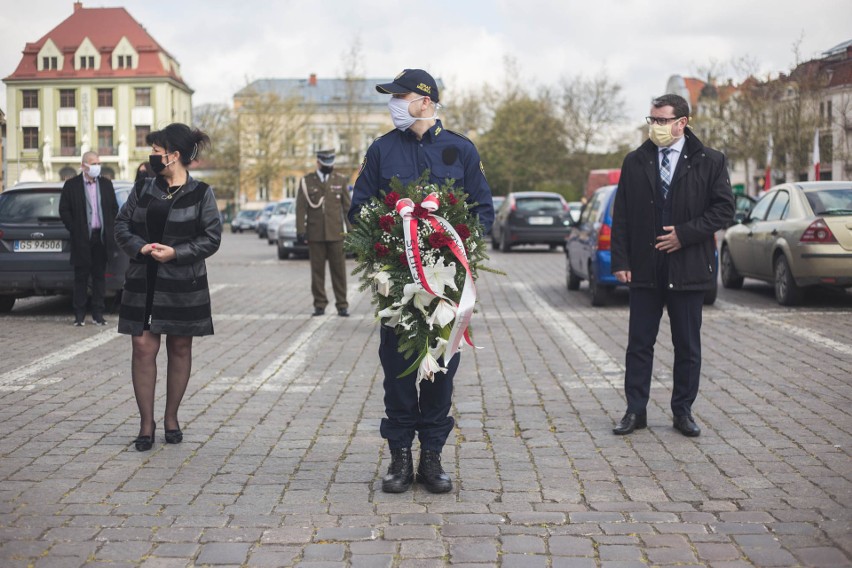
270,242
283,254
504,243
233,230
6,303
572,280
730,277
787,292
495,244
553,246
600,294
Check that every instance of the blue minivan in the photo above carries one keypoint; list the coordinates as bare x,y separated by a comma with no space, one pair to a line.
588,254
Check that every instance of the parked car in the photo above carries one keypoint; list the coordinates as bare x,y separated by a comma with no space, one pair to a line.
287,240
263,220
497,201
587,249
575,208
282,209
531,217
797,235
35,247
246,220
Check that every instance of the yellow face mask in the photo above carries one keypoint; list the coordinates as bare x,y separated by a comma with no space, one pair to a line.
661,134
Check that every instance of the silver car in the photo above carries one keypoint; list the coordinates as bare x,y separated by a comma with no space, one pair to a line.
797,235
283,208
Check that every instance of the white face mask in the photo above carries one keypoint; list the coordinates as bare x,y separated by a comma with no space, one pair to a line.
94,170
400,116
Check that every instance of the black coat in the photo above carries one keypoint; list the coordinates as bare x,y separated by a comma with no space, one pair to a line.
181,294
701,201
72,210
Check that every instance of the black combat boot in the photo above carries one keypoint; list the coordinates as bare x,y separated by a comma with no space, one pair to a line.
431,475
400,473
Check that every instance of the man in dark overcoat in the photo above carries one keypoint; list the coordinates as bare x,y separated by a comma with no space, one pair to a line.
673,195
88,208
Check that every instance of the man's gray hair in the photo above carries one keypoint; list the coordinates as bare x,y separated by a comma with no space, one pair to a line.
87,155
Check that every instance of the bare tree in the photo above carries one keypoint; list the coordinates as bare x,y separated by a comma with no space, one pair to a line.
350,121
590,107
272,131
219,122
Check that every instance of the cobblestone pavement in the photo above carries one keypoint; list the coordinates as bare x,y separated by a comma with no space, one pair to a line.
282,458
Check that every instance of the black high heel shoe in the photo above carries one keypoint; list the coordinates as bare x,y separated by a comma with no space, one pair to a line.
174,436
145,443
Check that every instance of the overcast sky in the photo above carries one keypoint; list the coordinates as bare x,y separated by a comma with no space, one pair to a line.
638,43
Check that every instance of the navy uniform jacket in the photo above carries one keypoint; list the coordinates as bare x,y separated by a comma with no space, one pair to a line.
444,153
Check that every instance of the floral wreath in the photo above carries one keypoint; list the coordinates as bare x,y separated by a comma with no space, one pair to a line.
420,248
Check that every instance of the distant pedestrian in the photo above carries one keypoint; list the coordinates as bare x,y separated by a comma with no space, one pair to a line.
88,207
143,172
419,142
321,206
673,195
168,226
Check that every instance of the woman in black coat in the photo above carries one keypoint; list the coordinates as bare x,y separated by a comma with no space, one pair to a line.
168,226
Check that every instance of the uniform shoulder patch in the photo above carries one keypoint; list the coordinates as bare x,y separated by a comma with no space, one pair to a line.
459,134
363,165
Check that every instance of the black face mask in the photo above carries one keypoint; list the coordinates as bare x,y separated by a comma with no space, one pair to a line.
326,169
156,161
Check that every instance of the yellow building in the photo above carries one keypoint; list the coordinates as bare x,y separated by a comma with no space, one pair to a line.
97,81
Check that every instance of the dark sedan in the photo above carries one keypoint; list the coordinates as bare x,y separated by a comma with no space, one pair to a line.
35,247
531,217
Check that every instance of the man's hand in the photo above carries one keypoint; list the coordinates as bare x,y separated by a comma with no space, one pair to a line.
623,276
668,243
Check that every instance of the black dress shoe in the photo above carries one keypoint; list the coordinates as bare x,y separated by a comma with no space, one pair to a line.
686,426
318,312
400,473
145,443
343,312
174,436
631,422
431,475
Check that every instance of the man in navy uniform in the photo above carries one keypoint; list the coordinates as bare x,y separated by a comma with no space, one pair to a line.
418,143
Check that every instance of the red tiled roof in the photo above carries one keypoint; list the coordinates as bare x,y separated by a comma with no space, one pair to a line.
694,87
104,27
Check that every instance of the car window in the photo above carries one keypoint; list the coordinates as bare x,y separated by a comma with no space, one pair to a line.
121,195
597,206
29,206
529,204
587,210
779,207
830,201
759,210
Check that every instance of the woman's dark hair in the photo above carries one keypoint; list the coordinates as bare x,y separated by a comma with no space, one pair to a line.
143,171
178,137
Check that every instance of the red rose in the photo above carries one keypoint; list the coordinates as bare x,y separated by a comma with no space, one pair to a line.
386,222
463,231
381,249
438,240
452,199
391,199
420,212
403,259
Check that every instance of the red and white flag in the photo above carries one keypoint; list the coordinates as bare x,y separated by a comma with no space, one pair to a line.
767,177
816,155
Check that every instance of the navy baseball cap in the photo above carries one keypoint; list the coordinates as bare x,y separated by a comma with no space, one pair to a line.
411,81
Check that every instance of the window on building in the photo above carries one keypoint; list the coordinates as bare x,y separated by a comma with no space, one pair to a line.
105,147
141,133
30,98
87,62
143,96
105,97
121,62
67,141
48,63
67,98
30,137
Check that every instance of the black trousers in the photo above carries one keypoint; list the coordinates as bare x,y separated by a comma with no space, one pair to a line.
428,414
646,310
95,271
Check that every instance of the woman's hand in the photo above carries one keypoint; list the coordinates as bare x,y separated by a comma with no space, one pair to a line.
162,253
147,249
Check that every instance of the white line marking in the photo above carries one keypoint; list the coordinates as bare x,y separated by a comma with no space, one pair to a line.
29,370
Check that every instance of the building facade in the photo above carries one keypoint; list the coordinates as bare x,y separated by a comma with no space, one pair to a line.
97,81
282,123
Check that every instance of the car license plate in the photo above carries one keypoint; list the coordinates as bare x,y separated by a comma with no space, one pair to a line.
38,246
289,244
541,220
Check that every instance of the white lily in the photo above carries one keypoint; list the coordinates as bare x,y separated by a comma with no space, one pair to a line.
394,315
440,347
440,276
429,367
443,314
383,283
415,292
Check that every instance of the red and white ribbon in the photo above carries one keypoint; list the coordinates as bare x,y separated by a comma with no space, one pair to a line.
467,301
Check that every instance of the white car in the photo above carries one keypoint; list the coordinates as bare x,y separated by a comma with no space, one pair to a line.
282,209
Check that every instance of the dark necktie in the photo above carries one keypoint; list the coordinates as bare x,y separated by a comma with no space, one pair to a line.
665,172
